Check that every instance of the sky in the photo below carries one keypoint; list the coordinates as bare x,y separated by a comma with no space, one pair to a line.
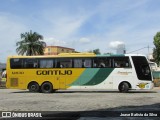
81,24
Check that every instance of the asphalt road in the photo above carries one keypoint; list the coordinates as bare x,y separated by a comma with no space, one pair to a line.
84,104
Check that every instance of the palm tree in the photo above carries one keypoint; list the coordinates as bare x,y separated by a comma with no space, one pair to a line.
30,44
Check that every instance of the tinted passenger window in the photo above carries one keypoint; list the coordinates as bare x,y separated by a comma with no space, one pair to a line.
30,63
87,63
102,62
82,63
64,63
121,62
46,63
16,63
78,63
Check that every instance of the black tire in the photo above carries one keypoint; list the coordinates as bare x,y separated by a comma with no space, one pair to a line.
33,87
124,87
47,87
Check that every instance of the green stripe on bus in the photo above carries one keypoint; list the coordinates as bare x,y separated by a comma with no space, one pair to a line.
101,75
111,55
86,76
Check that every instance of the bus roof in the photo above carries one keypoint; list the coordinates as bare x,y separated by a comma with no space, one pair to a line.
76,55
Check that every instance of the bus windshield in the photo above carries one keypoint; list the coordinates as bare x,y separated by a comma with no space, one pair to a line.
142,68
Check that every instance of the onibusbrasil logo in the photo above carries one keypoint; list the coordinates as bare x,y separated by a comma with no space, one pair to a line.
21,114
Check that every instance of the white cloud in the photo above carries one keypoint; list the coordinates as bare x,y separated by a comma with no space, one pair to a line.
72,43
84,40
114,44
54,42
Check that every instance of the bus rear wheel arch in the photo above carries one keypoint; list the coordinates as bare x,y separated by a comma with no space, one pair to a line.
124,87
33,87
46,87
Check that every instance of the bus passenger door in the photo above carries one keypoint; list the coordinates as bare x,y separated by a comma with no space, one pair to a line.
62,82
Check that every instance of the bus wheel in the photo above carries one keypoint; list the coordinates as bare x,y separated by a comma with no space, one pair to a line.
47,87
33,87
123,87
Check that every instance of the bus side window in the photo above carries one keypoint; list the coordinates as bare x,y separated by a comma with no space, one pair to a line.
31,63
103,62
77,63
87,63
121,62
46,63
16,63
64,63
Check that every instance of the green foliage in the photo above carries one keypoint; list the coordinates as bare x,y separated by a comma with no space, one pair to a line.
95,51
156,50
31,44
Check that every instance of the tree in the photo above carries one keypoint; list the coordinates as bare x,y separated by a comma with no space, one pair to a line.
31,44
156,50
95,51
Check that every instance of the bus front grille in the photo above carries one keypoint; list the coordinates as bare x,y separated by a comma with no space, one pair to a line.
14,82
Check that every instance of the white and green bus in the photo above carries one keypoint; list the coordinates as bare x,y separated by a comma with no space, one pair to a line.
79,71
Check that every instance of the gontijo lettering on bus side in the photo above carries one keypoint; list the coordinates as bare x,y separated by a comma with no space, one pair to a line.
54,72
